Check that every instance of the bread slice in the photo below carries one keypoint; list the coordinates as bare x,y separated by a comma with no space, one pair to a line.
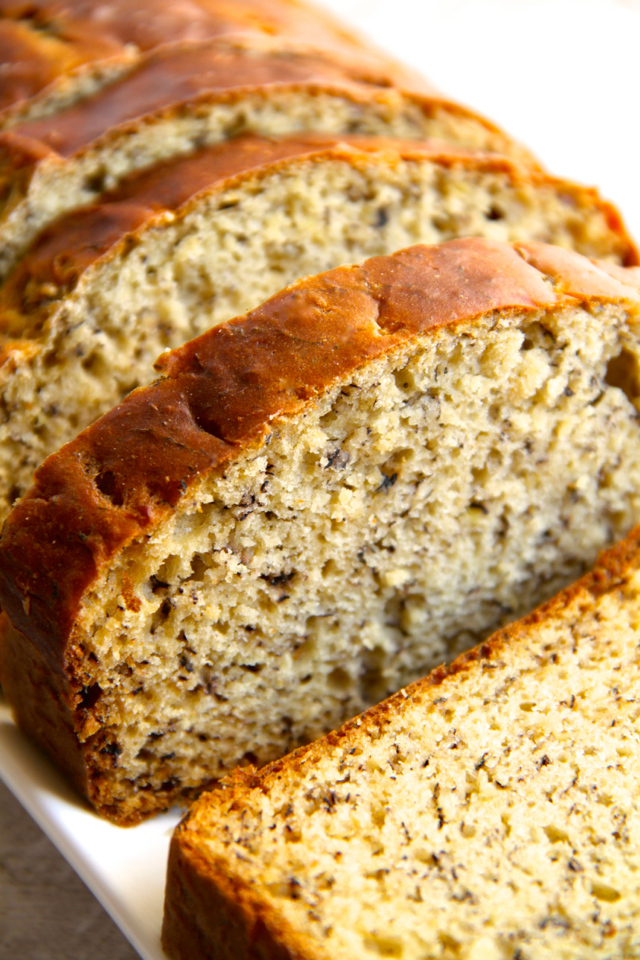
204,238
487,811
186,96
54,55
317,503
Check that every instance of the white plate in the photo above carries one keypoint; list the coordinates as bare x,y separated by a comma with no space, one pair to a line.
561,75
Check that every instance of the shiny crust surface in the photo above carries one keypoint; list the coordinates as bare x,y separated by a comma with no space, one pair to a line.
30,62
63,251
220,395
211,912
174,75
44,40
166,80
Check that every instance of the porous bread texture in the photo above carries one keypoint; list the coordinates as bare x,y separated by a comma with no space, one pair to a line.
58,186
491,811
80,350
38,184
417,504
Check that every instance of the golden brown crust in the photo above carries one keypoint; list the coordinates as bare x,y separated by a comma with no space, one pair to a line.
30,62
196,912
202,890
630,277
166,79
63,251
43,41
220,395
574,275
91,521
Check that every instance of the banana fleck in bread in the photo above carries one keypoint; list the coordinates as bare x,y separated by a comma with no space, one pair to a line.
207,237
488,811
316,504
185,96
56,53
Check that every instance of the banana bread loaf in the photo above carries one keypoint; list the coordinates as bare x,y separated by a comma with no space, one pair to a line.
207,237
55,53
185,96
490,810
317,503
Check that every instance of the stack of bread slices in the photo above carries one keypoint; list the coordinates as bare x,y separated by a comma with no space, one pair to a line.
310,380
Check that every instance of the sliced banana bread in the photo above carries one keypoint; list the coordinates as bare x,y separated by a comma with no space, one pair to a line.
183,97
489,811
204,238
317,503
55,53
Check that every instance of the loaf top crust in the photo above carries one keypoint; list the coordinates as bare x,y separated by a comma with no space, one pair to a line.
63,251
223,392
32,61
42,41
208,874
162,81
173,75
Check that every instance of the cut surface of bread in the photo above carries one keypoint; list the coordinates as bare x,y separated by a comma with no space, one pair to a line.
55,53
488,811
316,504
175,250
183,97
